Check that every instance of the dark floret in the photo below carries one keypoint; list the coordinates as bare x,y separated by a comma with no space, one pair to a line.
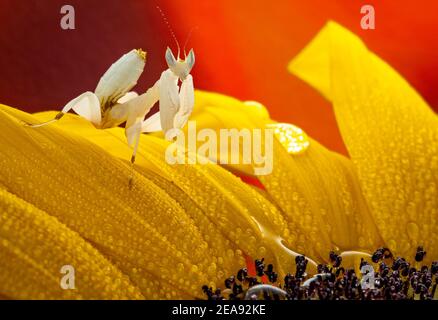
419,256
394,279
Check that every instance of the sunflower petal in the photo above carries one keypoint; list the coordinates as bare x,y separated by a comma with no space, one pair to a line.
389,130
249,221
51,169
33,248
320,195
318,190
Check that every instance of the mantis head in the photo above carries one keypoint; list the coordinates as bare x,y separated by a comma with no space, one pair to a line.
181,68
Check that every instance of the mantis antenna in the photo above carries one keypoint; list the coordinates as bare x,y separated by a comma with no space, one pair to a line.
163,16
188,38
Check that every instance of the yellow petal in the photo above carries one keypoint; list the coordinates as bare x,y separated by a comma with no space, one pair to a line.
33,249
229,209
253,225
254,111
317,190
86,189
389,130
319,193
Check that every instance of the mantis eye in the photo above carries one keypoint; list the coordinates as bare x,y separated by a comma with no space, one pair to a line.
170,58
190,59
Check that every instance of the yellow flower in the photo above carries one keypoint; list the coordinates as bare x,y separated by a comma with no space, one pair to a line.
65,198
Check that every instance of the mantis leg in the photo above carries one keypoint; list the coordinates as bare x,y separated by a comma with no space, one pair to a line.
133,135
169,99
187,101
137,110
86,105
133,131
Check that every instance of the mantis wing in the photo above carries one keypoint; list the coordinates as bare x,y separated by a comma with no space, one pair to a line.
152,124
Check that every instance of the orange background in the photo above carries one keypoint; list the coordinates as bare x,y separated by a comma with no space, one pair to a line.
242,49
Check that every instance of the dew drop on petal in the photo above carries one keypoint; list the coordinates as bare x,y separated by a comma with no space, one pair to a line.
392,245
412,230
292,138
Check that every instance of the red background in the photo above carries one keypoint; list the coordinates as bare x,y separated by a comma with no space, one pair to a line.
242,49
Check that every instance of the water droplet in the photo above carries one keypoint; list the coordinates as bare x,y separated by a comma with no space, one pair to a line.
392,245
180,267
412,230
293,139
262,251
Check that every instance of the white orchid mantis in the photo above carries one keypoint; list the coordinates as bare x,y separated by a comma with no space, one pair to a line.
176,102
112,102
